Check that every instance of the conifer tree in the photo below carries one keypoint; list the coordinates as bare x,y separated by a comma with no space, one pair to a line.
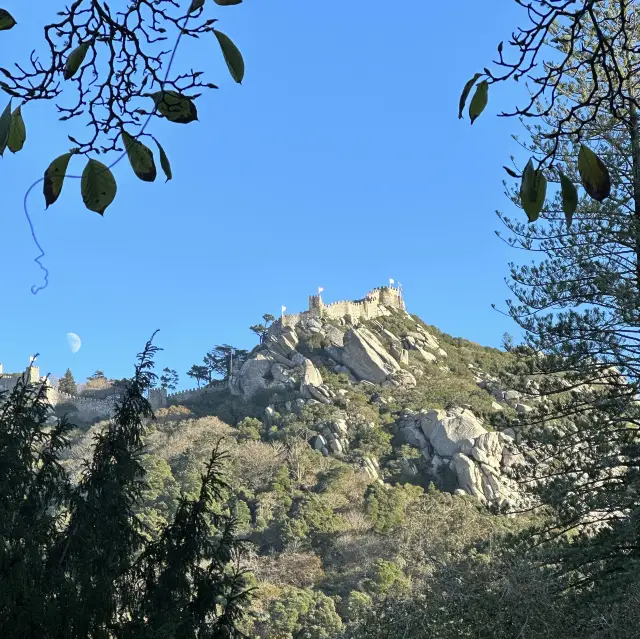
73,558
68,384
579,306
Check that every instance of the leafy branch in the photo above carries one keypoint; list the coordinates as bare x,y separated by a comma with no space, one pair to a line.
115,61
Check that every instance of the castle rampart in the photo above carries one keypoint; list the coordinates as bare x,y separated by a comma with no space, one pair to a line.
370,307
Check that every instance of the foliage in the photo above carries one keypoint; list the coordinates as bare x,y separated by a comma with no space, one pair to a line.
169,379
198,373
68,384
298,612
387,505
75,560
97,51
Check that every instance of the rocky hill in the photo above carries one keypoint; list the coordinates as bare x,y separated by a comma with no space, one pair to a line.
433,393
363,445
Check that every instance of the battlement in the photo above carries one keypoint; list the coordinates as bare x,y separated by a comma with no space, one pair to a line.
369,307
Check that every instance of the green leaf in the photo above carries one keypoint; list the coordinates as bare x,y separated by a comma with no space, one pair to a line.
195,5
227,3
465,94
569,197
140,158
6,20
5,127
533,191
511,172
594,174
98,186
75,59
232,56
54,178
164,161
479,100
175,107
18,132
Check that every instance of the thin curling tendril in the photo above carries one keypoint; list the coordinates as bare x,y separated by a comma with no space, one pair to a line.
35,289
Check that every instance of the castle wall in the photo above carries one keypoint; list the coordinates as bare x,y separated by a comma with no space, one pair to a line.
365,309
88,408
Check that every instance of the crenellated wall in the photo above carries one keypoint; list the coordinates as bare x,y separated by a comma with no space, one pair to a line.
88,407
158,397
370,307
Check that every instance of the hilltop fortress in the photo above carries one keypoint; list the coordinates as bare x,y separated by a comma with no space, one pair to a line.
369,307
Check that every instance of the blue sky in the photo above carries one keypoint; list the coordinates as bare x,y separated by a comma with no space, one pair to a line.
340,162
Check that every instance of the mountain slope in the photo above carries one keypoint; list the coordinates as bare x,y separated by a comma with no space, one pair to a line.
361,451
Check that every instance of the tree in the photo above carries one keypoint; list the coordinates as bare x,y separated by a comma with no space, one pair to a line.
74,561
199,373
579,302
222,359
68,384
97,381
268,319
260,330
605,58
96,52
169,379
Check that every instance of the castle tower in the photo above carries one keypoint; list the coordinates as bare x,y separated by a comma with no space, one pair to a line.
34,371
0,369
157,397
391,296
315,305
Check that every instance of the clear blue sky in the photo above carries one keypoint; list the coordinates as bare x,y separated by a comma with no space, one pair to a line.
340,162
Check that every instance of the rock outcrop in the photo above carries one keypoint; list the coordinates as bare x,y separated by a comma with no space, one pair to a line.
482,460
366,358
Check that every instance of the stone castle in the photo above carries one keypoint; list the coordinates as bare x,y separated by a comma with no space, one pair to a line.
369,307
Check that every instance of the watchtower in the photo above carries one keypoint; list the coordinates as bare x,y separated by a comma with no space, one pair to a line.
316,305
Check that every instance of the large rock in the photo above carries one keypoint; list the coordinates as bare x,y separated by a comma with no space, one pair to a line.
446,430
311,375
487,449
400,378
285,342
254,376
430,358
469,475
334,335
366,357
414,437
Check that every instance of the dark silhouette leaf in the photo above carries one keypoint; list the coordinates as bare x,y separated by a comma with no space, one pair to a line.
98,186
175,107
54,178
195,5
75,59
479,100
227,3
569,197
511,172
533,191
5,127
232,56
18,132
6,20
465,94
164,161
594,174
140,158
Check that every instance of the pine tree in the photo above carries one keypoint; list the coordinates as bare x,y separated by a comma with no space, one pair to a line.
74,561
68,384
579,306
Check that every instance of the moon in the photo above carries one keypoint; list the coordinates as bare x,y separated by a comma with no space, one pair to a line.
74,342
